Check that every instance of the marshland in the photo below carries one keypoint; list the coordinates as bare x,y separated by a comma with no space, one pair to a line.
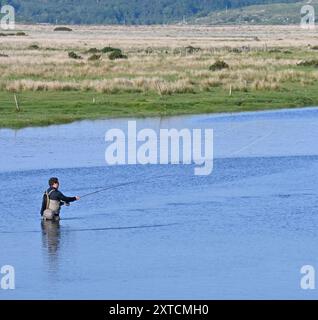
91,72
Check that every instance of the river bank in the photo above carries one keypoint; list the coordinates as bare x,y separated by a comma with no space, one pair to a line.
47,108
61,77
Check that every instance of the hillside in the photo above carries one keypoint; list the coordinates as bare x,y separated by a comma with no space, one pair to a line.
271,14
121,11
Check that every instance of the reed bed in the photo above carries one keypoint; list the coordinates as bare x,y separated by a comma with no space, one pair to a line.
168,63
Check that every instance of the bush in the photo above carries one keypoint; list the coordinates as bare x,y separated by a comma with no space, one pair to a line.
62,29
73,55
308,63
20,33
191,50
218,65
109,49
149,50
94,57
274,50
93,50
235,50
34,47
117,55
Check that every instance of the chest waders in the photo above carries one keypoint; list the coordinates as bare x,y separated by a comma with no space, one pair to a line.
53,207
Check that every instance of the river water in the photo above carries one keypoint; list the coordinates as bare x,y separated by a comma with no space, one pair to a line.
242,232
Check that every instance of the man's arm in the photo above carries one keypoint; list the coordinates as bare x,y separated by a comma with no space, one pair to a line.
63,198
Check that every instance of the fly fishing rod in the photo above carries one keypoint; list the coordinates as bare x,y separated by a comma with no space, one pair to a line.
119,185
110,187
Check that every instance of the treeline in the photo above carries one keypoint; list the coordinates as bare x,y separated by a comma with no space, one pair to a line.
121,11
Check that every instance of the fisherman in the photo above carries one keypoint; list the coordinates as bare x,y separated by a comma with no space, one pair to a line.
53,199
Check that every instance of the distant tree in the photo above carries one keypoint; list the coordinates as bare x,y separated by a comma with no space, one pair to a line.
120,11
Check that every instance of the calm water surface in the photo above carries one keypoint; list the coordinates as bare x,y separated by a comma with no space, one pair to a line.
242,232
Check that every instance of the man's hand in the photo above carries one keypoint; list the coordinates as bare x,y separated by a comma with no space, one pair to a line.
78,198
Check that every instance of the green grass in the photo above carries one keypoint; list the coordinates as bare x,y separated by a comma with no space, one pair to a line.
56,107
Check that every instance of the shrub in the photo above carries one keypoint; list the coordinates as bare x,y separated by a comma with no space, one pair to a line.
73,55
235,50
117,55
109,49
149,50
308,63
93,50
274,50
33,47
190,49
62,29
94,57
20,33
218,65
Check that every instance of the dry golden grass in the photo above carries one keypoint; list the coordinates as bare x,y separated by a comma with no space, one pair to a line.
168,69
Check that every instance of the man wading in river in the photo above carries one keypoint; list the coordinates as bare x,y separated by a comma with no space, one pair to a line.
53,199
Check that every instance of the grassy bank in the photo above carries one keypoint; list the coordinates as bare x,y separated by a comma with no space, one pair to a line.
61,78
45,108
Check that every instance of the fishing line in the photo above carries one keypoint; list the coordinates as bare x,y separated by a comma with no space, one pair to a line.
110,187
121,185
246,146
251,143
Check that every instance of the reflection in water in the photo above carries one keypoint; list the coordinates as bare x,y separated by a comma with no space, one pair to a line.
51,237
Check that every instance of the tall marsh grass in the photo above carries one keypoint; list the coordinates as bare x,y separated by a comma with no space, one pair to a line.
161,69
